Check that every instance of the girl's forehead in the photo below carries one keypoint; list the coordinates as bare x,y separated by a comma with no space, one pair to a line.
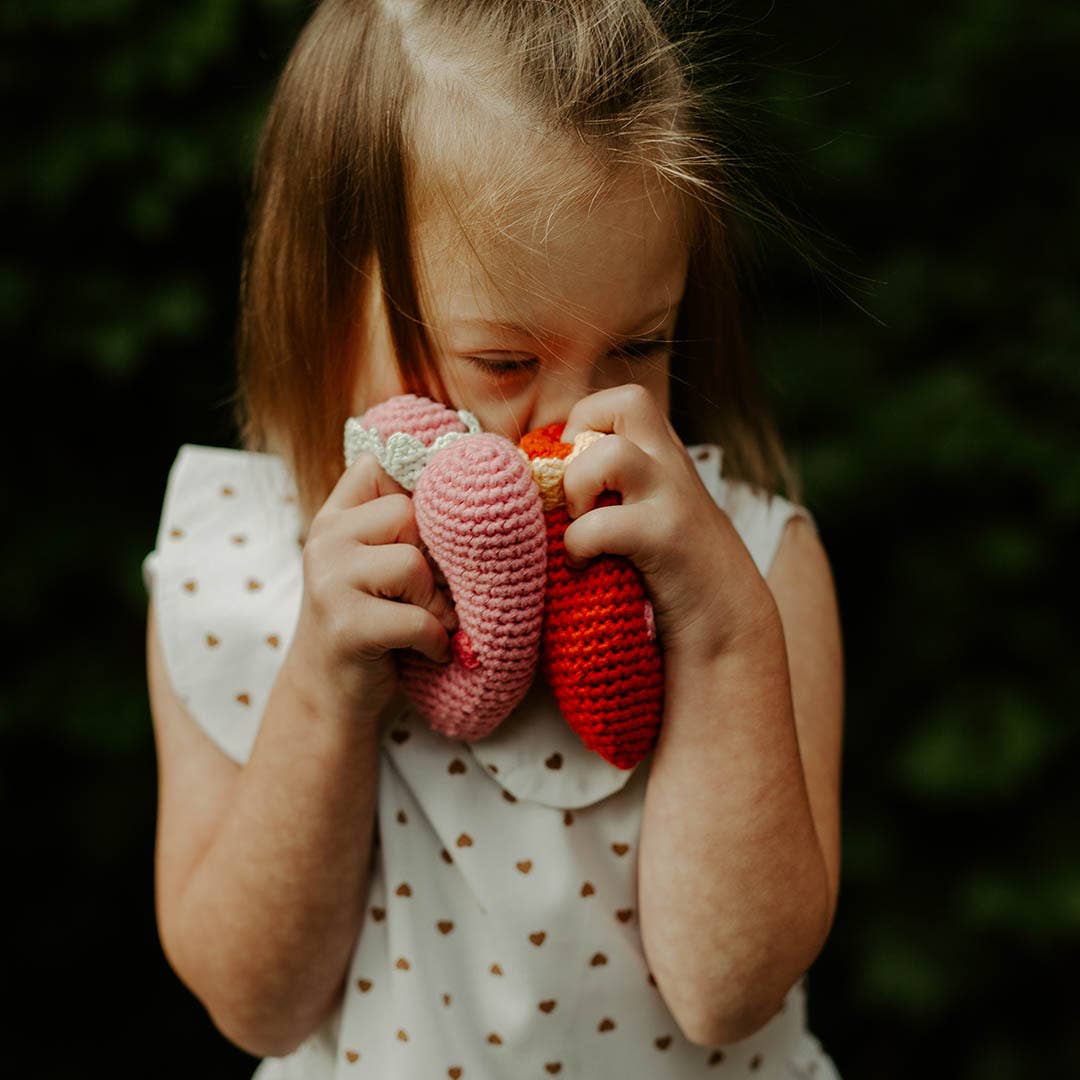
600,259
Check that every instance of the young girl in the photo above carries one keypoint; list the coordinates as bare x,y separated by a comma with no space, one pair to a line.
518,209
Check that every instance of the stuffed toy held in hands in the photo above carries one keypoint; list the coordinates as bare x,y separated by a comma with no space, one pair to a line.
491,515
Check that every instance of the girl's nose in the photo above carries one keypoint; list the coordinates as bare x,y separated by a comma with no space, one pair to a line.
562,388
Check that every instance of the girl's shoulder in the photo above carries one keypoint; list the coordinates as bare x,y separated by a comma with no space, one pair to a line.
226,578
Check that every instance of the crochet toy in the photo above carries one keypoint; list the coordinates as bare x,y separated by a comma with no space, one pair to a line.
492,515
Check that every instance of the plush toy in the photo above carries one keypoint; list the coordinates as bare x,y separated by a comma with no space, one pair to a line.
491,515
599,653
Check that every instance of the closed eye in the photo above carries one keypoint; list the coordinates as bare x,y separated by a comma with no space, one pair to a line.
509,364
641,350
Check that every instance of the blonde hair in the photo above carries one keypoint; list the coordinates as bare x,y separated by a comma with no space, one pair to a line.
346,160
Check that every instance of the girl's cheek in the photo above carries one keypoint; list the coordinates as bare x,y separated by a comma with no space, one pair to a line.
504,408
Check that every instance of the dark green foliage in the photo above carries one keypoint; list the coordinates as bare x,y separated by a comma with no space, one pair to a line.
929,392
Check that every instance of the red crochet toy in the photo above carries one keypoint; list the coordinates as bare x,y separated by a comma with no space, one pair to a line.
600,655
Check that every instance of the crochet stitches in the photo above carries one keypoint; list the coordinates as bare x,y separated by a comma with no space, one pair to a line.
599,653
479,516
404,453
492,516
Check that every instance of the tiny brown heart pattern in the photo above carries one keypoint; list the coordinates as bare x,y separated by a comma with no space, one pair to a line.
555,761
273,640
716,1057
212,641
445,926
625,914
244,699
496,970
403,1035
364,985
400,735
176,534
378,914
464,840
402,963
454,1072
553,1067
663,1042
254,584
524,866
238,538
351,1056
446,999
547,1006
620,849
607,1024
190,585
597,959
403,889
587,889
494,1039
402,817
538,938
456,766
227,491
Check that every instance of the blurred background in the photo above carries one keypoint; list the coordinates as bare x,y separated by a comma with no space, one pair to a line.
932,407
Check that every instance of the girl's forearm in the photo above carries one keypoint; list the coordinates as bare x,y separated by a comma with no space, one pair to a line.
731,878
266,924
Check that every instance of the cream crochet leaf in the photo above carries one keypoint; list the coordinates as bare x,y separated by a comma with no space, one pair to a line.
402,454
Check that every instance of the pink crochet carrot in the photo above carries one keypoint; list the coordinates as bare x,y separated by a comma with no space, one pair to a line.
479,515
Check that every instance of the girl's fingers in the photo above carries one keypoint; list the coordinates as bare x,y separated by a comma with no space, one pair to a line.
387,519
613,463
365,479
606,530
401,572
406,626
628,410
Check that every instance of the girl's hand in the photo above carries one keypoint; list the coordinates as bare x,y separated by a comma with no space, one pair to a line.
705,589
368,588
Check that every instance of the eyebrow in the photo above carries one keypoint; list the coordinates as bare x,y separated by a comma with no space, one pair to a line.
521,330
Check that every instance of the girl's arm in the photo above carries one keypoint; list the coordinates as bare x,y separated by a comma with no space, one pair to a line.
740,843
738,867
262,872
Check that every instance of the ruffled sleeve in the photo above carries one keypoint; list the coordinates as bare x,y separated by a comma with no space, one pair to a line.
759,518
226,578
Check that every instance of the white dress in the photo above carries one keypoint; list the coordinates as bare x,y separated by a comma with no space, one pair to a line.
501,940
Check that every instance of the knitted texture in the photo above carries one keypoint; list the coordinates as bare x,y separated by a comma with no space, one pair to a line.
599,652
404,432
479,516
492,517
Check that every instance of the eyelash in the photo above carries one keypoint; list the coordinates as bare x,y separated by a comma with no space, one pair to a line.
633,350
